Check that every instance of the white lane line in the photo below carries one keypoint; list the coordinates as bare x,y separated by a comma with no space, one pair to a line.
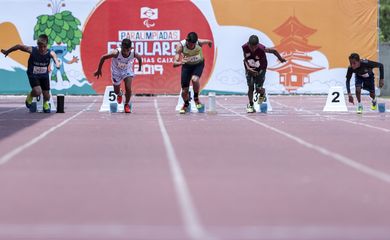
10,110
307,232
8,156
90,231
333,118
193,226
173,232
338,157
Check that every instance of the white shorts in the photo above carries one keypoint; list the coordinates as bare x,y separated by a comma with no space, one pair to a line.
118,78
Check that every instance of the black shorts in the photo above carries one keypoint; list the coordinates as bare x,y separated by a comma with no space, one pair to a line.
365,83
42,81
257,81
187,71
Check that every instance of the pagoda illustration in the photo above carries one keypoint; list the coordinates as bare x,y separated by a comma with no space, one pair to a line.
294,47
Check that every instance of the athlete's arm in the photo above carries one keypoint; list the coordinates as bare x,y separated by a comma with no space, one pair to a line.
347,83
139,59
54,56
205,41
113,53
24,48
177,62
276,53
379,65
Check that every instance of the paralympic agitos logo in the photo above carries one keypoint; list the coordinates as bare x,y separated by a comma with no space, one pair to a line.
155,30
150,14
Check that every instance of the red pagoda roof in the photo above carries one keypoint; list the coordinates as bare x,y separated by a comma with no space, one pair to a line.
292,43
297,56
293,27
296,66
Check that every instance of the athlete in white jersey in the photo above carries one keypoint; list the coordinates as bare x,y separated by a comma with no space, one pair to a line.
189,55
121,70
122,67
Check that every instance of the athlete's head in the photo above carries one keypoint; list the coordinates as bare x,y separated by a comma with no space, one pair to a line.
42,43
253,40
126,46
354,60
191,39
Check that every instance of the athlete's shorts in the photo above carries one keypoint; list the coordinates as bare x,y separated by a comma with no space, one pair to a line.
118,78
187,71
40,80
365,83
256,81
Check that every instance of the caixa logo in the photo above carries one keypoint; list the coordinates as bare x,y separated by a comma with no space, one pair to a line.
150,14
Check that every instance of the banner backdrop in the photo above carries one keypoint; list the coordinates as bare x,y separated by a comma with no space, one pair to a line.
316,37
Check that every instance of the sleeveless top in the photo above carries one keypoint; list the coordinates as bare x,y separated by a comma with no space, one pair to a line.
194,56
121,65
38,64
256,59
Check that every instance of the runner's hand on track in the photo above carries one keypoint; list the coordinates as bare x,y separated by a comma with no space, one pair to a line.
381,83
350,98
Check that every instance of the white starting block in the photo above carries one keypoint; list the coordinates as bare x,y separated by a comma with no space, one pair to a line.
336,100
180,102
109,101
38,101
257,106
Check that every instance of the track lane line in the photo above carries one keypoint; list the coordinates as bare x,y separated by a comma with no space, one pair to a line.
385,177
333,118
193,226
8,156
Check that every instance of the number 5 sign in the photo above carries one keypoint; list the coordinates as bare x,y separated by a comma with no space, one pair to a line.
335,101
109,97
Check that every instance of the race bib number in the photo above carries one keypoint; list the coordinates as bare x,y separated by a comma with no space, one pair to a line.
194,59
122,66
39,70
366,75
254,64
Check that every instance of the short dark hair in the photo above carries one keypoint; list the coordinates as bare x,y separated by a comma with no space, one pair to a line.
43,38
126,43
192,37
354,56
253,40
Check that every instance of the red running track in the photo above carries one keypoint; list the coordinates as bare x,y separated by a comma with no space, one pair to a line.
294,173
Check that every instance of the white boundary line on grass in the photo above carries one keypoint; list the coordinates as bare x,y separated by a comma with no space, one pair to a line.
338,157
8,156
193,227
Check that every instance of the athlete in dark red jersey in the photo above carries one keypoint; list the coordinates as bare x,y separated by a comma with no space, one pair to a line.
255,62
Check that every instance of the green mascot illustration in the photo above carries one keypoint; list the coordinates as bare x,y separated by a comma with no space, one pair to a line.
64,34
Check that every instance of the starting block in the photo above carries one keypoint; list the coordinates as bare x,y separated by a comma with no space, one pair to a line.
109,99
265,106
37,104
192,107
381,107
114,107
33,107
201,110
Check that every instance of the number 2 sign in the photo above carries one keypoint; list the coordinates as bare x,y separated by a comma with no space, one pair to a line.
335,101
